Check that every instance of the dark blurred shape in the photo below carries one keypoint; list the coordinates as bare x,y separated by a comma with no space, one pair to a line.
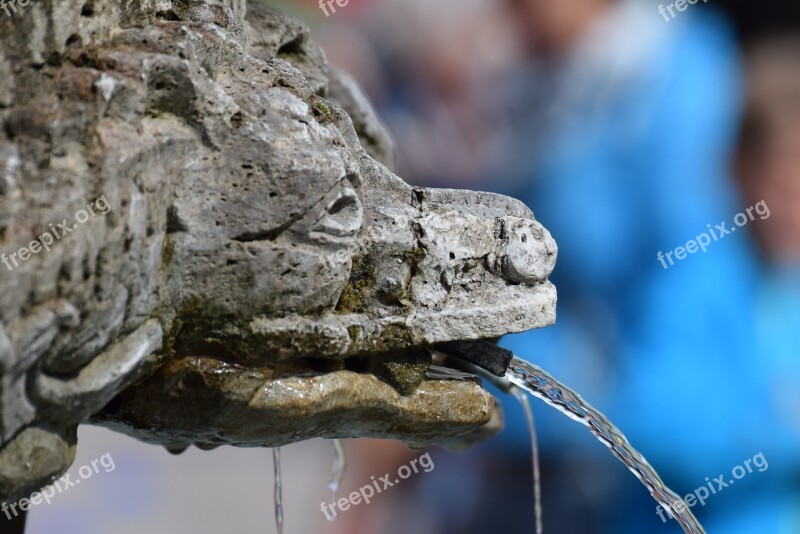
754,20
768,162
13,525
554,27
485,355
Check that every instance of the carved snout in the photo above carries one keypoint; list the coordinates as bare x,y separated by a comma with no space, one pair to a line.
469,246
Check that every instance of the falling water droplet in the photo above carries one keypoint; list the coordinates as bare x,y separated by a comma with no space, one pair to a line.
337,472
276,460
524,400
538,383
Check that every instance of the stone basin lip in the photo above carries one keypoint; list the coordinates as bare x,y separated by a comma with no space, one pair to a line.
208,402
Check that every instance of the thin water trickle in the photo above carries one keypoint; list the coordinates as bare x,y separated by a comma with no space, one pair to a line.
543,386
276,460
524,400
339,465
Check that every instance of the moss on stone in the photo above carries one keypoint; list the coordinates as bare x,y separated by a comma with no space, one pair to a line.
361,278
404,371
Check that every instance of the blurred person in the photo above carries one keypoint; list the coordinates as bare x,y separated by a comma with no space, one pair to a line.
768,161
768,168
450,96
440,73
753,403
553,28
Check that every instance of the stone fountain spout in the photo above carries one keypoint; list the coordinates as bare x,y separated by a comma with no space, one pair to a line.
260,276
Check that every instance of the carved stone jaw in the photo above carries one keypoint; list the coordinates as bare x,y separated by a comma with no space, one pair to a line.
422,266
430,266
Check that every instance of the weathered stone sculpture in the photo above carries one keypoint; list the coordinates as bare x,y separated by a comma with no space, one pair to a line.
252,273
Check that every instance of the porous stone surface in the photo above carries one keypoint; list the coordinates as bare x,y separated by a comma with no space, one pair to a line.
219,205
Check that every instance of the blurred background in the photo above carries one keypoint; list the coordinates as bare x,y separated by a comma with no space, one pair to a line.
628,127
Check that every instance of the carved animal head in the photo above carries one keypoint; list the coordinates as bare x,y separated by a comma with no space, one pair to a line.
260,276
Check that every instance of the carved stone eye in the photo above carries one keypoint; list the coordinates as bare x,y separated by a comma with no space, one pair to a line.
342,217
530,252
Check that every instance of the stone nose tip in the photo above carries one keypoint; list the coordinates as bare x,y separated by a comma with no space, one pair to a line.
529,254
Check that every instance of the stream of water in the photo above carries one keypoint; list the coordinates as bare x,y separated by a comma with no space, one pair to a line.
524,400
276,461
543,386
337,472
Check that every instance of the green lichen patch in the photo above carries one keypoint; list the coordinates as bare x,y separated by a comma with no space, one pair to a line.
320,108
353,297
404,371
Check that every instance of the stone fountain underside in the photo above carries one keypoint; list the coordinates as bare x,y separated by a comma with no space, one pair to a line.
262,277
